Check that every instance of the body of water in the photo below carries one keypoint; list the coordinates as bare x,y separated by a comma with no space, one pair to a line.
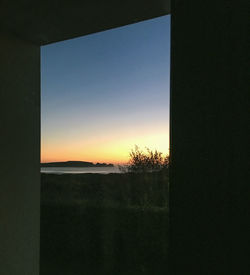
79,170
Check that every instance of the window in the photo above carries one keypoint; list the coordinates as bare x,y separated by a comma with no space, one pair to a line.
104,202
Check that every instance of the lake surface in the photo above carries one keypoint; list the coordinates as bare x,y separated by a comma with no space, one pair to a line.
80,170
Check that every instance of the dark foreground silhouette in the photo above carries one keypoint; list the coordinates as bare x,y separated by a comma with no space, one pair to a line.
104,224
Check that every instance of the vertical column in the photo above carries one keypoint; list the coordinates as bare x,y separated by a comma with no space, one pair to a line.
19,156
208,114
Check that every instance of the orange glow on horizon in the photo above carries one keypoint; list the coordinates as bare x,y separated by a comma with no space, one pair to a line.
102,149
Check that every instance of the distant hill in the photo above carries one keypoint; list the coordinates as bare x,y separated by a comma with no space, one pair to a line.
75,164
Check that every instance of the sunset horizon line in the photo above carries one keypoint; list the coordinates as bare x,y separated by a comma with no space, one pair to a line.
94,162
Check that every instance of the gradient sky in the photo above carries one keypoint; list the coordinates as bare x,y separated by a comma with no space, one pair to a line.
106,92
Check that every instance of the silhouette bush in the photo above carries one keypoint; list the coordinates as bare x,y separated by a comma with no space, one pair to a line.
143,162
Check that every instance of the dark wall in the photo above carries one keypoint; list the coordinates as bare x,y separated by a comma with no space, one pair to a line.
19,156
208,186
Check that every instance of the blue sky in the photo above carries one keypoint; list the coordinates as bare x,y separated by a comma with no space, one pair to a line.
106,89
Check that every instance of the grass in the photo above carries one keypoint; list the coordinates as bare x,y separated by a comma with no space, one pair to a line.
104,224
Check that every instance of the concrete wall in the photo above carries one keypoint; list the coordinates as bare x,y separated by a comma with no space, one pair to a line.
19,156
208,142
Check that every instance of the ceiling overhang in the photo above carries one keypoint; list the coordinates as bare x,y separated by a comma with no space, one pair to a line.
46,21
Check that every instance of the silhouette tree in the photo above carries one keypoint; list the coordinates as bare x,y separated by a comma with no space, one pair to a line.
149,161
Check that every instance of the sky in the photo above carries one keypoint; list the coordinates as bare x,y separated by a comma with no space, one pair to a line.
104,93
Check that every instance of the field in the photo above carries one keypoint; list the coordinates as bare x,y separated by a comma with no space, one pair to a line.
104,224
